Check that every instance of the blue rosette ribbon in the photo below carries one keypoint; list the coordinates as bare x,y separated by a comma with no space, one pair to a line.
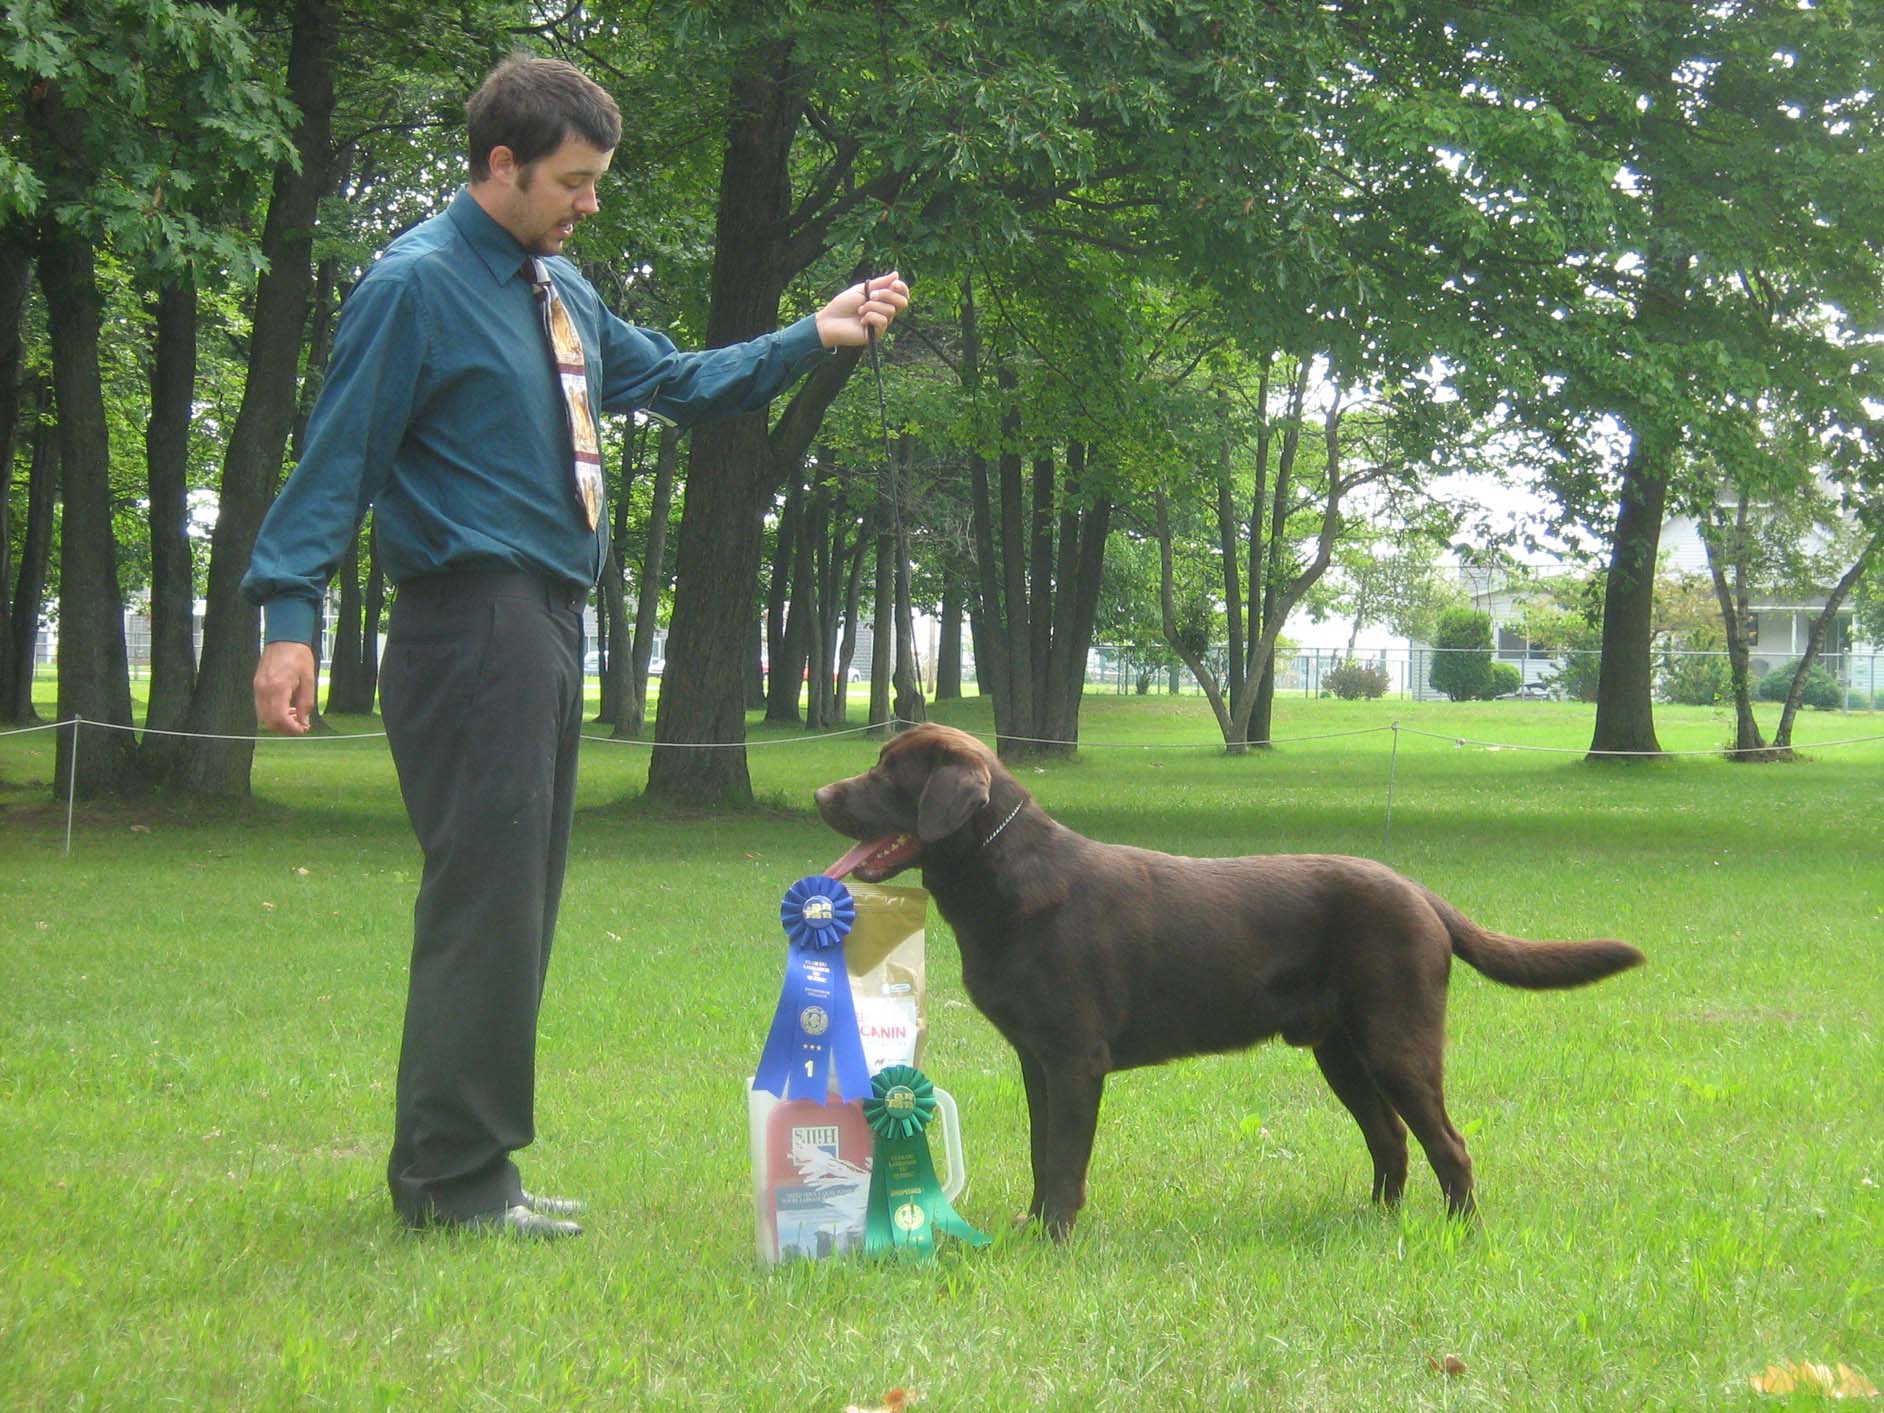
814,1030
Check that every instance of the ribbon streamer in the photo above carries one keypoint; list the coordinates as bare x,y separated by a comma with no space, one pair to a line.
815,1024
906,1206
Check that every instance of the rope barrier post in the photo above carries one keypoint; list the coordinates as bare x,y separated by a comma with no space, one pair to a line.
1393,766
71,784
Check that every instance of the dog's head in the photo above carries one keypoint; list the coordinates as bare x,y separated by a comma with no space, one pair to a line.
927,786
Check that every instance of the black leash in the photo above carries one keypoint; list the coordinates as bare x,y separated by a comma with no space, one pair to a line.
896,496
883,417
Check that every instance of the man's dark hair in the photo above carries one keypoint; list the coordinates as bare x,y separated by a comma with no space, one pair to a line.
529,104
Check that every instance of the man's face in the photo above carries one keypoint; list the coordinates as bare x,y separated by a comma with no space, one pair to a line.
542,202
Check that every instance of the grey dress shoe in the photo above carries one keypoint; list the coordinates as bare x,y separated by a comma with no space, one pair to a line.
555,1206
520,1222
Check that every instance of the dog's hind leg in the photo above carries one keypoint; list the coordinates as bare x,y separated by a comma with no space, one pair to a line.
1386,1136
1410,1075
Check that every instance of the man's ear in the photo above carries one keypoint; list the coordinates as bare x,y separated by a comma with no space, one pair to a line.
957,787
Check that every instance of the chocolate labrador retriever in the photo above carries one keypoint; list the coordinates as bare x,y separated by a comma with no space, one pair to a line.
1093,957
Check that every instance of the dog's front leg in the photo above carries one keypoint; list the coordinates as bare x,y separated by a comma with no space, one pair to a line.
1039,1125
1073,1094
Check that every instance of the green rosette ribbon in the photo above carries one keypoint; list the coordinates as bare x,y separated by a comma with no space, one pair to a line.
906,1207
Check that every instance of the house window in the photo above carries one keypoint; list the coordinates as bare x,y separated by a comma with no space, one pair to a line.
1750,629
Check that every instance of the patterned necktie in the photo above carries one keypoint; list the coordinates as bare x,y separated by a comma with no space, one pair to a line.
566,352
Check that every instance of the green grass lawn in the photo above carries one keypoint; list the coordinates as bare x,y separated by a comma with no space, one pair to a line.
1681,1170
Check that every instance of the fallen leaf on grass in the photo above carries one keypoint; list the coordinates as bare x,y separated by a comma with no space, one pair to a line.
895,1401
140,829
1801,1377
1451,1366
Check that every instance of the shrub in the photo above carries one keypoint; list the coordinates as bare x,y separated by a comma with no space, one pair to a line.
1353,680
1697,679
1462,667
1821,688
1579,676
1505,678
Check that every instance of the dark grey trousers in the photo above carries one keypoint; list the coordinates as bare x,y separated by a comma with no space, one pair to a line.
481,692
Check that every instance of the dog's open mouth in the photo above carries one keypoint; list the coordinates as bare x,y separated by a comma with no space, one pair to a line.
876,859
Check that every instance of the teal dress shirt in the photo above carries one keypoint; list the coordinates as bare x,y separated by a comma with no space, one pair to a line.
441,408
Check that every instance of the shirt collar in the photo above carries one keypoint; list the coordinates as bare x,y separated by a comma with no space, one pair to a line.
501,252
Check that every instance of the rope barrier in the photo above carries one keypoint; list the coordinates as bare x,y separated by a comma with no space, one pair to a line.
1178,746
39,726
1638,755
1393,762
311,738
813,737
805,739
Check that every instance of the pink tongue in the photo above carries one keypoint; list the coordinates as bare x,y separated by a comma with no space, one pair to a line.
858,853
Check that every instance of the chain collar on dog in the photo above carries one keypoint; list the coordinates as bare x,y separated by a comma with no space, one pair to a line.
1002,825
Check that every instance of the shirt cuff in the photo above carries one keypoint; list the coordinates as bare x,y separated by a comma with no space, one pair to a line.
801,342
288,620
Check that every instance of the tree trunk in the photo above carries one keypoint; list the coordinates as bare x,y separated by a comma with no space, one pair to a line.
784,632
1625,713
613,631
1167,604
1254,714
1732,599
16,278
853,606
986,619
910,707
883,629
731,476
1017,626
1229,546
614,635
173,575
1040,598
832,546
653,577
29,598
347,690
1815,640
94,678
806,629
223,703
1082,560
948,661
1081,553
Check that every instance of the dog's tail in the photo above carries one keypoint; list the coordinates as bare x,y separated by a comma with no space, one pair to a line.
1539,966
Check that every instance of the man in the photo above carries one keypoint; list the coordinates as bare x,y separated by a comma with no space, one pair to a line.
458,402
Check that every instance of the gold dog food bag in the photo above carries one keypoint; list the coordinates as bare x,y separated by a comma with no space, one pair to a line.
884,952
811,1160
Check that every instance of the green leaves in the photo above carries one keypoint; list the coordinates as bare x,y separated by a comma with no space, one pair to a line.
152,122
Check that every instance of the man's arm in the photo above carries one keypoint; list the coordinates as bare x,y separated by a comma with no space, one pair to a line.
641,368
356,426
355,429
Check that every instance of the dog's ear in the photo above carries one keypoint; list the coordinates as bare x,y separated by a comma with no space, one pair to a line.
956,788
